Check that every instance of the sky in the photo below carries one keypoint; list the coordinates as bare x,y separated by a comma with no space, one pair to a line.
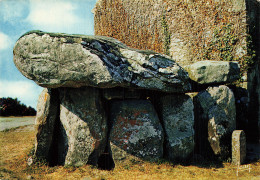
20,16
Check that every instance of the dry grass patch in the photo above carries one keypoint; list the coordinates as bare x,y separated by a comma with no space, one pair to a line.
17,144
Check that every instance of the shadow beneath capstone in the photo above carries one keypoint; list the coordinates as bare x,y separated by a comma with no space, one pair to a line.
252,152
253,24
59,146
105,161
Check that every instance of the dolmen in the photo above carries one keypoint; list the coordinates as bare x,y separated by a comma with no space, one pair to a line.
104,100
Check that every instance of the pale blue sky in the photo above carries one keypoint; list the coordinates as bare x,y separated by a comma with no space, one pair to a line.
20,16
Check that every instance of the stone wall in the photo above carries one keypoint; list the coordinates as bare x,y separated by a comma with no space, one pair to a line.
190,31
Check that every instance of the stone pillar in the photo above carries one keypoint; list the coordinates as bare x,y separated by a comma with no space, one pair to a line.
84,125
47,114
136,130
215,121
176,112
238,147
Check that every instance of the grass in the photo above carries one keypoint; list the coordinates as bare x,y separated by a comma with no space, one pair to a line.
17,144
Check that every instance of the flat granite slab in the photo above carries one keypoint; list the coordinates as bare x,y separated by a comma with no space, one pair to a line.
55,60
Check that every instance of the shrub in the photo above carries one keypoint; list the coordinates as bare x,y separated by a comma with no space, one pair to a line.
13,107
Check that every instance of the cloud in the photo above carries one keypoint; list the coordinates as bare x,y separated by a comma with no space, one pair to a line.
13,11
5,41
27,92
53,15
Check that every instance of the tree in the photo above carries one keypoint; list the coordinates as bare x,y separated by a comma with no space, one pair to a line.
13,107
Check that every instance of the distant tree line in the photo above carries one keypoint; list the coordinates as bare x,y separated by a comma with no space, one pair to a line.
13,107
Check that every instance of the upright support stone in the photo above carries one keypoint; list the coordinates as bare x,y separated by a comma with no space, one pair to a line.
177,116
215,121
238,147
83,119
47,114
136,130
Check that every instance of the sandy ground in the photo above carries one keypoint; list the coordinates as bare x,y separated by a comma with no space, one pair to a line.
14,122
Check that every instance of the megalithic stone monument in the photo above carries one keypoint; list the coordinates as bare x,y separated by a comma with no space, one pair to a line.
103,100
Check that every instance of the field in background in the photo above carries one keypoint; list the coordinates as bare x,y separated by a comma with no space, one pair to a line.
17,144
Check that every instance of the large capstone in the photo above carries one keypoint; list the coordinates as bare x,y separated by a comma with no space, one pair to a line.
61,60
177,116
136,130
46,118
213,72
84,126
216,119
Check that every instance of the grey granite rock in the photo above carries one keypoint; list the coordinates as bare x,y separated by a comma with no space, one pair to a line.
238,147
85,125
178,120
61,60
136,130
213,72
47,115
217,117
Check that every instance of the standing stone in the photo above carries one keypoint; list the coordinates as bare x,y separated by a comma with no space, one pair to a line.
85,125
178,120
136,130
238,147
216,119
47,115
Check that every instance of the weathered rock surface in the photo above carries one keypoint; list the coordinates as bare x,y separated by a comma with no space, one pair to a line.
47,115
121,93
217,117
61,60
238,147
213,72
136,130
178,120
85,125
